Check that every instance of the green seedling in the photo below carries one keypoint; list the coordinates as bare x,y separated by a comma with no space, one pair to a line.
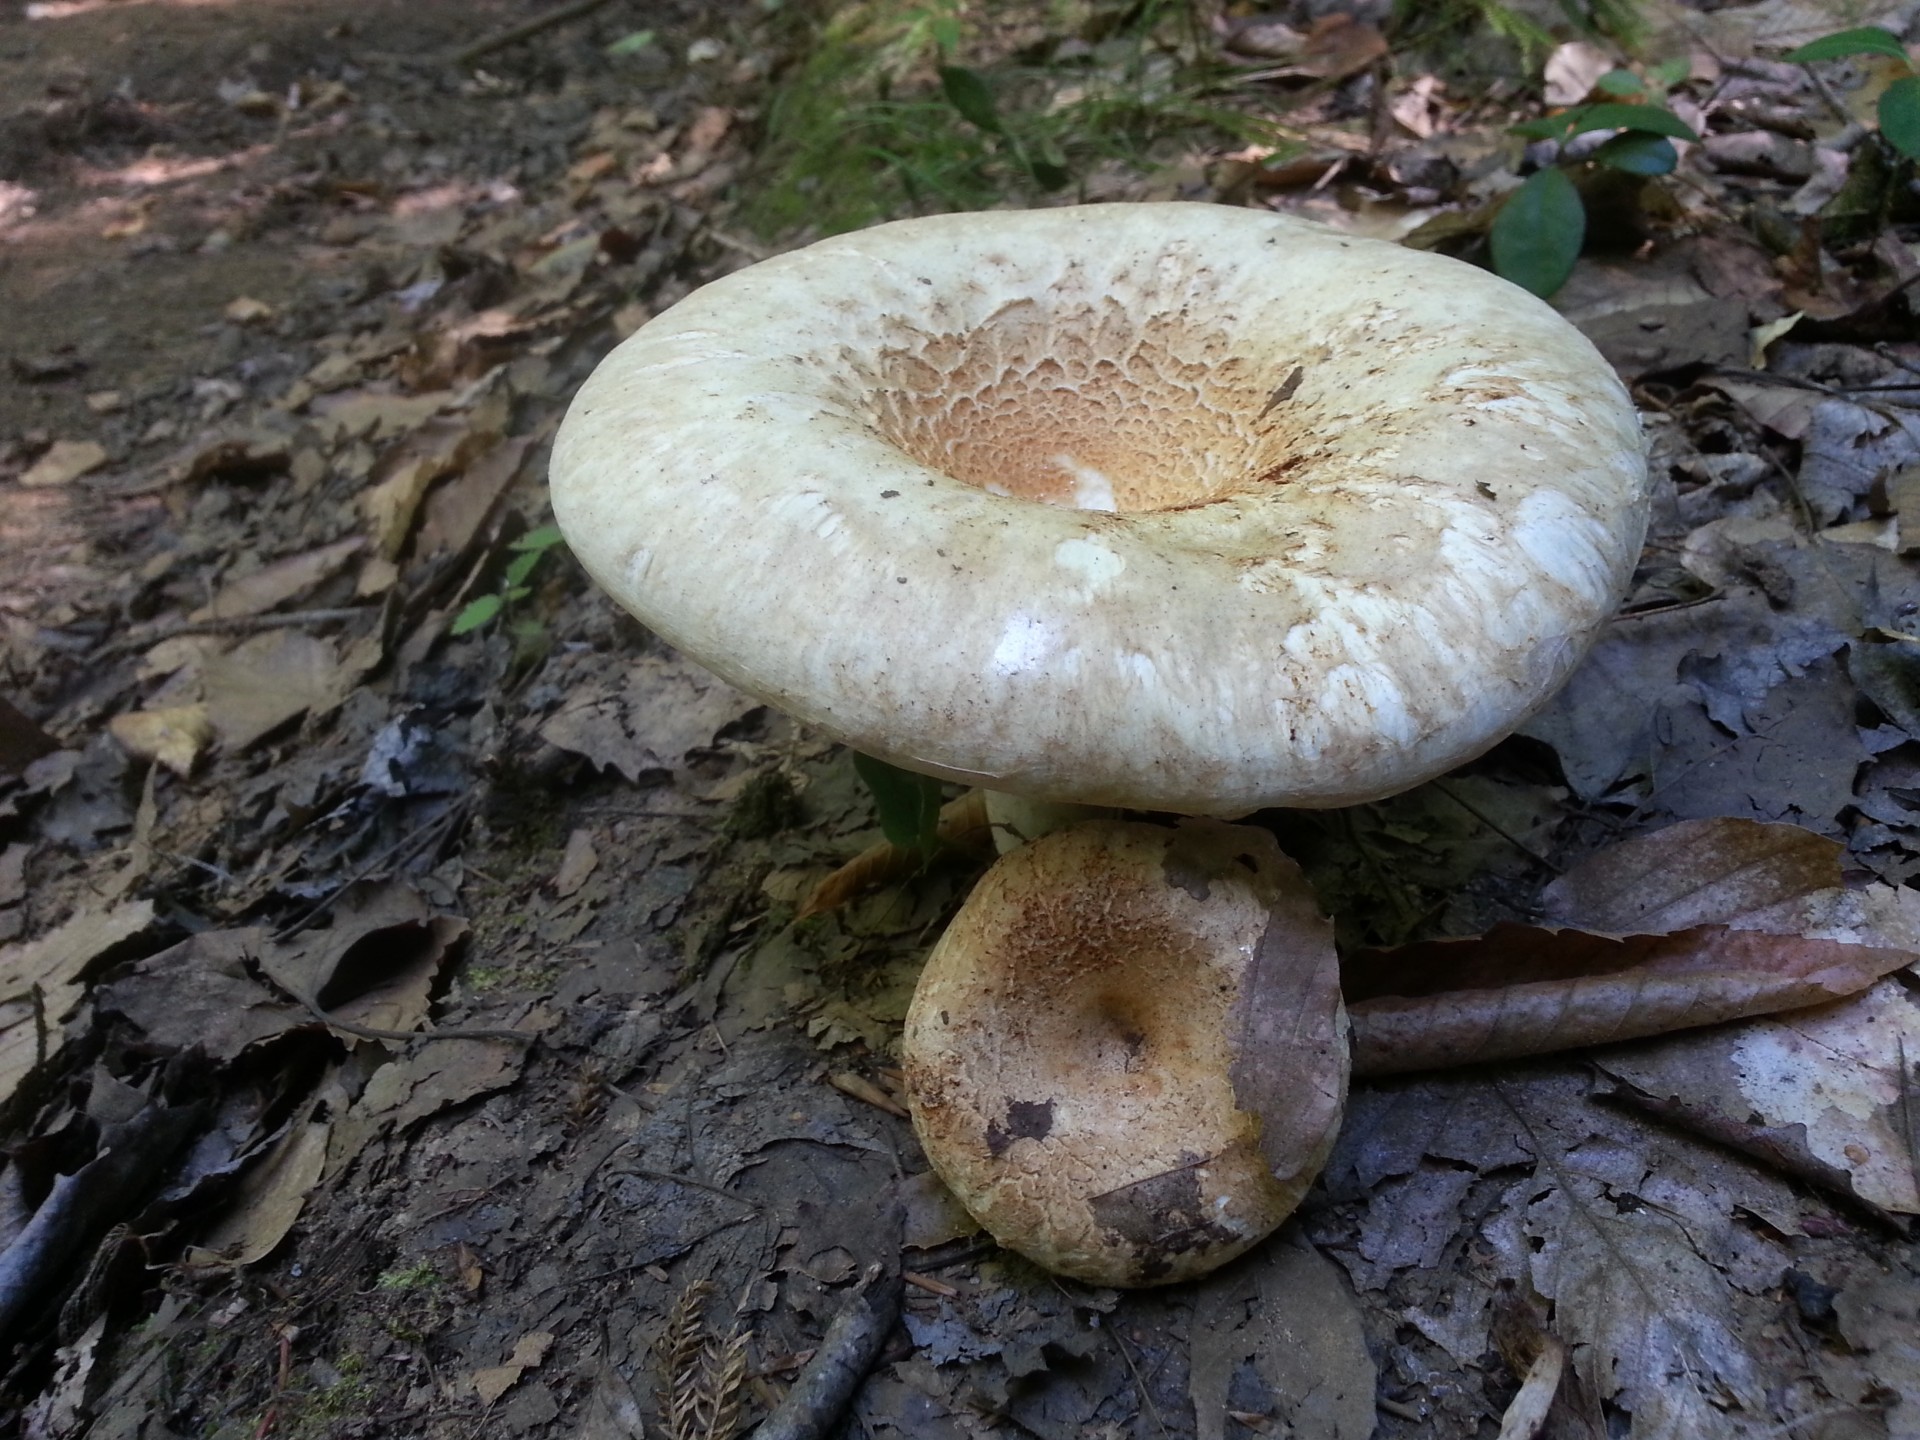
1538,233
514,587
1898,110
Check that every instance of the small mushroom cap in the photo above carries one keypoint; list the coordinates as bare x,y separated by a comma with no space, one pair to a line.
1177,507
1127,1056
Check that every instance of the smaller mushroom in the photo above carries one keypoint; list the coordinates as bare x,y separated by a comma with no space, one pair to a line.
1128,1055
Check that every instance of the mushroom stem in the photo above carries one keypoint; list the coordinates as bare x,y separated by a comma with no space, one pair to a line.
1018,819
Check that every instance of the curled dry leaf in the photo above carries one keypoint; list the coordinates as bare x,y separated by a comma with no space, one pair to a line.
1756,920
173,737
962,825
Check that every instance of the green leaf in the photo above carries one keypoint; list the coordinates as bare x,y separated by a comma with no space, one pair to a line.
1536,237
1547,127
1900,115
1620,83
477,613
545,538
909,804
1049,176
968,94
1671,71
1608,115
522,567
1638,153
631,44
1867,40
1653,119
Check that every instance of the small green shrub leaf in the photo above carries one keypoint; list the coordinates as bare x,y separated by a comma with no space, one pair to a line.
1608,115
477,613
522,567
632,44
1638,153
908,804
1652,119
1620,84
968,94
1868,40
1537,235
1671,71
1900,115
545,538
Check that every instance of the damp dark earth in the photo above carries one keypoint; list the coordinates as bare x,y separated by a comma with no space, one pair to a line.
432,1006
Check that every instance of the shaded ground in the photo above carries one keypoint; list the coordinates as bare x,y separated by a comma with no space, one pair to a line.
316,294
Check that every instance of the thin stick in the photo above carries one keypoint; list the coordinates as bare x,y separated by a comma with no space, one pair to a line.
234,625
525,30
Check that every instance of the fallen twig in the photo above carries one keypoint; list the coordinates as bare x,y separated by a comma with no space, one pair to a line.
827,1385
234,625
81,1206
526,29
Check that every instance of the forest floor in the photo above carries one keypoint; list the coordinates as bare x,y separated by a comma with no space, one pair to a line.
405,1028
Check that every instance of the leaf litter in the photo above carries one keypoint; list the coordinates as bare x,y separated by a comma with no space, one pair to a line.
292,871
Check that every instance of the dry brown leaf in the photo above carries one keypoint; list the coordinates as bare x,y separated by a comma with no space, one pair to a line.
1460,1002
1699,872
280,581
245,310
269,1201
455,511
422,1084
1695,924
40,983
1336,47
65,462
578,862
495,1380
373,415
647,715
267,680
962,825
376,964
201,993
436,449
173,737
1826,1093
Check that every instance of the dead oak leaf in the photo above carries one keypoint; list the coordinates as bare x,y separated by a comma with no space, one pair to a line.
202,994
40,981
1456,1002
281,580
529,1351
269,1201
269,679
647,718
376,964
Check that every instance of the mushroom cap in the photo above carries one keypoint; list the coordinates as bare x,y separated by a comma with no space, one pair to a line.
1171,506
1127,1056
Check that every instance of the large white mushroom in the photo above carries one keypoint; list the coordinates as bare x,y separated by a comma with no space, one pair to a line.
1171,507
1176,507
